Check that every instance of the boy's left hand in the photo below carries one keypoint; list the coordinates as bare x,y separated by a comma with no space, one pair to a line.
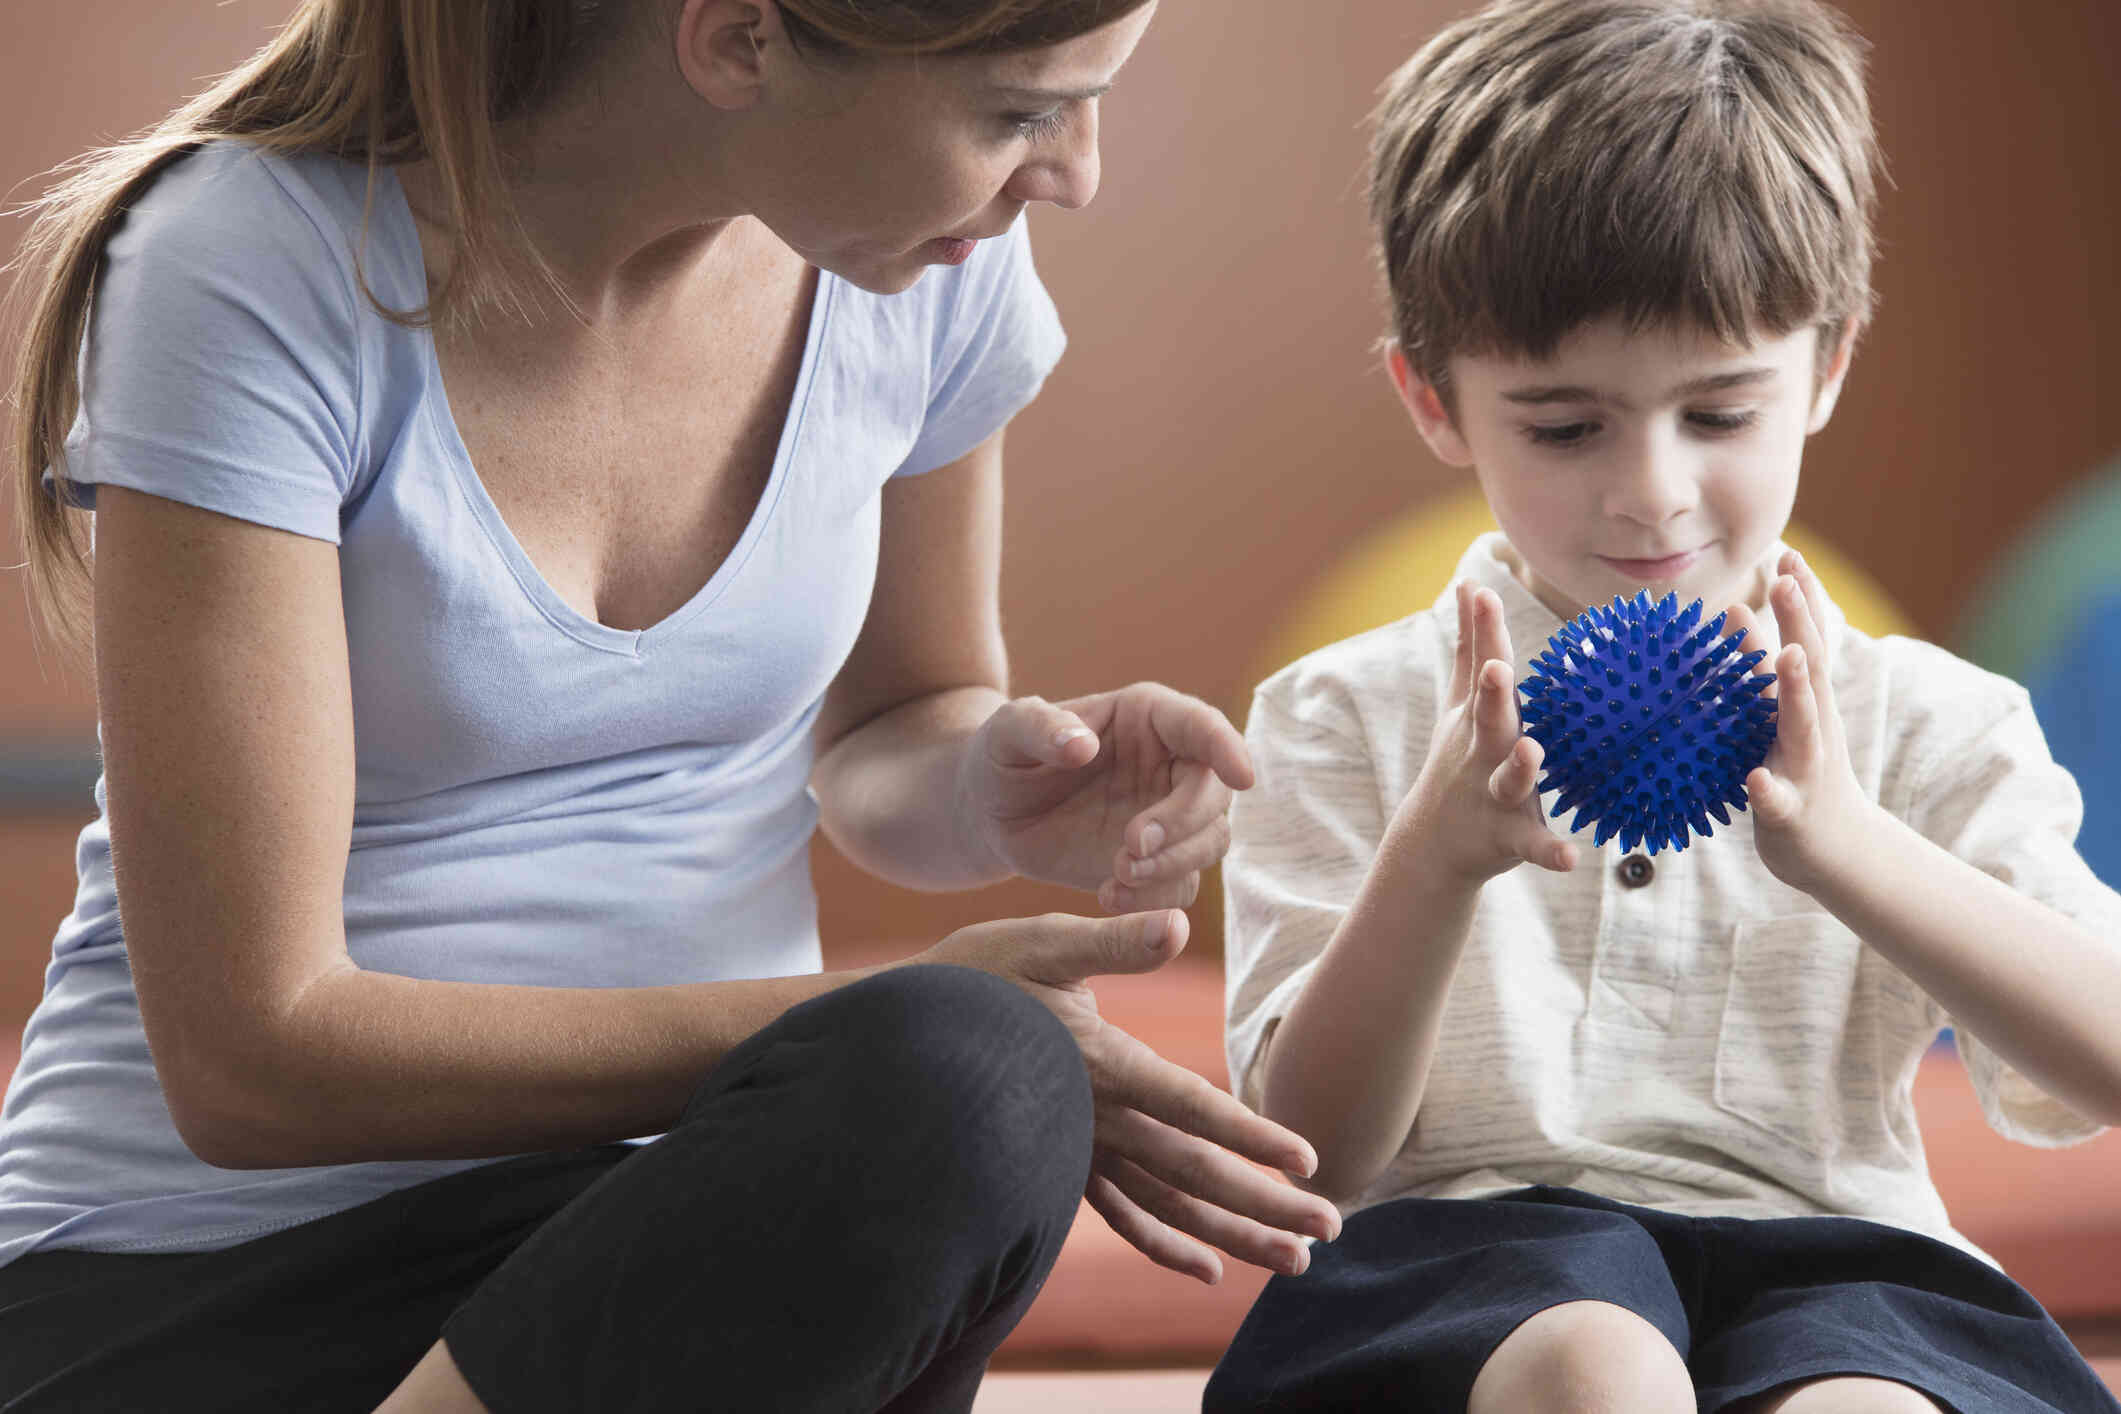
1807,805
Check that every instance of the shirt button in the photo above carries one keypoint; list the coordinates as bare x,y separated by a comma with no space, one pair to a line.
1636,870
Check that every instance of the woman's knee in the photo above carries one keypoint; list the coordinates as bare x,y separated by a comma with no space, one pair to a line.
957,1059
1584,1357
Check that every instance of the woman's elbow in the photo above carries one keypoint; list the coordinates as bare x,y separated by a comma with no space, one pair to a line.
231,1117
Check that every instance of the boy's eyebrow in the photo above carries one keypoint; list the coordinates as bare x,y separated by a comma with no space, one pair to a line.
1020,94
1570,393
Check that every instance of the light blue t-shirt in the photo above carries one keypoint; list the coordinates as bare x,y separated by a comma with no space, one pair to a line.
539,799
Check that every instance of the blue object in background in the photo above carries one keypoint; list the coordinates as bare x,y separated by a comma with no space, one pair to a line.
2077,697
2042,614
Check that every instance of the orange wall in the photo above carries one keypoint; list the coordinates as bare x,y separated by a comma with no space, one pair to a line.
1220,426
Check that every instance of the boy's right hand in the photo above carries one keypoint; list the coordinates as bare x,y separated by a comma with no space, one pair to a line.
1475,806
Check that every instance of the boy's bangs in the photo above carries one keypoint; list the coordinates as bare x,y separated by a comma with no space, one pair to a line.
1540,167
1707,248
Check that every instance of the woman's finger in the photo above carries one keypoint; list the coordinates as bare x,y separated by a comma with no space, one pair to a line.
1203,849
1030,731
1191,730
1218,1227
1161,1244
1124,1070
1065,949
1179,892
1196,800
1213,1176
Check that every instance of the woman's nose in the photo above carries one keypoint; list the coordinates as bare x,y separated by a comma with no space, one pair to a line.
1066,173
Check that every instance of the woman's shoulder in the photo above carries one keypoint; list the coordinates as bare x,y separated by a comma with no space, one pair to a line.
233,206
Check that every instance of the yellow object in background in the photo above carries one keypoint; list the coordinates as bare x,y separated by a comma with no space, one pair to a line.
1407,563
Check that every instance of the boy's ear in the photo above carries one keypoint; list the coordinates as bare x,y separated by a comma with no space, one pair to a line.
1837,370
1431,418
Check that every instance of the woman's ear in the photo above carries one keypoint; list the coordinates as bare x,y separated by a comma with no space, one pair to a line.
721,49
1432,418
1837,371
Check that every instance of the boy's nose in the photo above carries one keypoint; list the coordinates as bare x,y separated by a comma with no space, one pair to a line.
1656,481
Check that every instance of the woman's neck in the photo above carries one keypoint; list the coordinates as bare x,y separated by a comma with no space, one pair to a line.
598,194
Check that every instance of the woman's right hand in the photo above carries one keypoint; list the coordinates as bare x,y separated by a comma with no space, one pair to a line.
1168,1168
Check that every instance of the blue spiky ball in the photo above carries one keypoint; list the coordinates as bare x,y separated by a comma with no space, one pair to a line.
1649,724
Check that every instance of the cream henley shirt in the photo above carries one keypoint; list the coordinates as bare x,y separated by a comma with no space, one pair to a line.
1703,1039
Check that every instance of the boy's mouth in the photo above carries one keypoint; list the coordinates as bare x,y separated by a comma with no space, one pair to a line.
1654,571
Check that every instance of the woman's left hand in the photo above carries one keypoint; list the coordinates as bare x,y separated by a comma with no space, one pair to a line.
1125,792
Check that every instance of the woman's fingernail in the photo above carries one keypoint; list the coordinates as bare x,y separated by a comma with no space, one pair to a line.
1152,839
1068,734
1141,869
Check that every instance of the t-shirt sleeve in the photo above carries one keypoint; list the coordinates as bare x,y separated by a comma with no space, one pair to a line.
995,340
1301,841
221,367
1996,799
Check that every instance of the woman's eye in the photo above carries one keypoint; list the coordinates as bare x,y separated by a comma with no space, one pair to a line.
1034,126
1560,434
1722,423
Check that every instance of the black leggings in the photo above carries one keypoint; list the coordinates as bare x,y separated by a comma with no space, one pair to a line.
856,1207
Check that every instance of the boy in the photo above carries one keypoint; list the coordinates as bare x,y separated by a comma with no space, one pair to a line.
1623,1133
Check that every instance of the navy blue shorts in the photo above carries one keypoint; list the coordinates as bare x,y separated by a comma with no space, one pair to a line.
1404,1309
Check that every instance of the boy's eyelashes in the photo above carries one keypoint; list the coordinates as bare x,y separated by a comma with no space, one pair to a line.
1575,434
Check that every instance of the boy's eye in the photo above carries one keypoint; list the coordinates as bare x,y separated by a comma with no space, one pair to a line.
1560,434
1722,422
1034,126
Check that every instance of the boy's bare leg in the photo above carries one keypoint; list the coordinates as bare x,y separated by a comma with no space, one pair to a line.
1584,1357
1843,1394
433,1387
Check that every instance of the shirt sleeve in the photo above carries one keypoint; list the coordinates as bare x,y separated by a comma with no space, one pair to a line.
1998,800
1302,840
221,366
994,343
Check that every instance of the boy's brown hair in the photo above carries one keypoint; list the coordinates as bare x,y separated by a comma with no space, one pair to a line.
1545,163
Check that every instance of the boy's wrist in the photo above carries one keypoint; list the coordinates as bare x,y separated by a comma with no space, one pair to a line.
1843,860
1420,839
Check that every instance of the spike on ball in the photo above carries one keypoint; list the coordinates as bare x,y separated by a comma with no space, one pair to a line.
1649,723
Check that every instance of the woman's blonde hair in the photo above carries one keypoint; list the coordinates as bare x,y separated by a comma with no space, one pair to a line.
387,82
1545,163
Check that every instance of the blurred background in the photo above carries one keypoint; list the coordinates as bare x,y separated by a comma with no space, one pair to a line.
1221,434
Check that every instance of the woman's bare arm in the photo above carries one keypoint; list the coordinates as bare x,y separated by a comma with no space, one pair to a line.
228,741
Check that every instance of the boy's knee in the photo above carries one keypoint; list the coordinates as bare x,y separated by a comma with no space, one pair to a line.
1584,1357
1841,1394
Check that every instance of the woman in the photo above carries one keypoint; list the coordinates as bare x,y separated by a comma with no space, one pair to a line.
538,473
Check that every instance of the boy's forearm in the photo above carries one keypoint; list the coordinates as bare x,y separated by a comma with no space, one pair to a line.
1347,1066
2034,985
